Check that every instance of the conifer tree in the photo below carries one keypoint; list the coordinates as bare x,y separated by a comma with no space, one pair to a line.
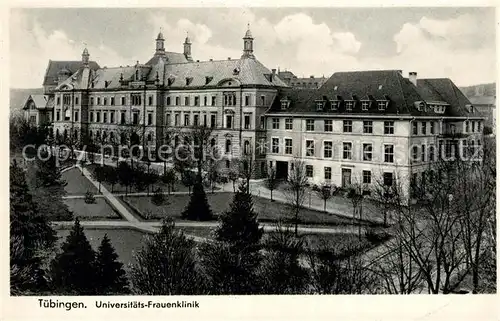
198,207
166,265
111,277
73,270
30,235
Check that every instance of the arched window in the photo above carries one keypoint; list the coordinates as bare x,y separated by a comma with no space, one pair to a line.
65,134
228,146
150,137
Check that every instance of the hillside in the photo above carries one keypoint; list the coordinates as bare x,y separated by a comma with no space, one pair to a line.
19,95
479,90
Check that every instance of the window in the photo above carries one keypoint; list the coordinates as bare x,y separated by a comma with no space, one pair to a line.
275,145
177,101
91,116
388,127
123,100
150,119
228,146
186,101
104,117
389,153
367,152
135,118
432,153
262,100
76,115
205,120
247,100
59,100
288,123
347,151
288,146
473,126
367,177
262,122
98,100
327,149
415,128
76,100
334,105
328,173
247,121
310,148
229,99
98,117
246,148
347,126
309,171
424,128
388,180
310,125
368,127
229,121
365,105
66,99
205,101
284,104
213,100
382,105
432,124
150,100
169,101
112,117
168,119
423,153
105,101
112,101
150,137
212,120
186,119
276,123
196,100
349,105
328,125
135,98
196,120
122,117
319,105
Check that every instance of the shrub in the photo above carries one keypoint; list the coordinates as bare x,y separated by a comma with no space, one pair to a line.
158,198
376,237
89,198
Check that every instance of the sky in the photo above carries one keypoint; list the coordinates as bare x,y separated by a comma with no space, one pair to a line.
456,43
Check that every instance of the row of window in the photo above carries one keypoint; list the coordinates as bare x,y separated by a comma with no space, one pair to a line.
472,126
347,150
366,175
328,125
197,121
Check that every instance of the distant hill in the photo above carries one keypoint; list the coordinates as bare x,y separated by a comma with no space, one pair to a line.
480,90
18,97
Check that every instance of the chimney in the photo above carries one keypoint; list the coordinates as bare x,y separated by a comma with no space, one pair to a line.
273,73
412,76
228,58
311,76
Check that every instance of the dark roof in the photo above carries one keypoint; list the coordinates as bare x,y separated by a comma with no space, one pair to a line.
171,58
483,100
378,85
296,97
54,67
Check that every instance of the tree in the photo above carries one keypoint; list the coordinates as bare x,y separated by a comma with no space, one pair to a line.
169,178
231,262
73,270
198,208
325,192
355,194
233,177
271,181
111,176
99,175
281,271
188,179
213,174
296,188
166,265
30,236
125,175
247,170
110,275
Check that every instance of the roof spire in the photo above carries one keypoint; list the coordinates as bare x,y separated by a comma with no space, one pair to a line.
248,44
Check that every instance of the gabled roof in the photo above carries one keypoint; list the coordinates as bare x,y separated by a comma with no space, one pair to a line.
297,98
400,94
54,67
39,100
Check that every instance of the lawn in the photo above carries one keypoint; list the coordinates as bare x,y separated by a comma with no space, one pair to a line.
100,210
76,183
267,211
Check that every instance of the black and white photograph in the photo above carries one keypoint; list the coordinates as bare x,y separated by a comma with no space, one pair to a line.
212,151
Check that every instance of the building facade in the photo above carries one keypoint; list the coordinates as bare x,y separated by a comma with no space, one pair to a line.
38,110
301,82
141,103
370,127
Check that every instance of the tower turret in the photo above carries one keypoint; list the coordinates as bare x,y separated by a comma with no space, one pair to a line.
187,48
160,44
248,44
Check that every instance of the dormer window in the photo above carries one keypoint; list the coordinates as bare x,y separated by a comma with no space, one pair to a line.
349,105
334,105
439,109
208,79
188,80
170,81
285,103
382,104
365,105
320,105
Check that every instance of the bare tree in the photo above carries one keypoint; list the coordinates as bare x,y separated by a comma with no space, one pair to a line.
296,188
327,191
355,194
130,135
271,180
247,170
